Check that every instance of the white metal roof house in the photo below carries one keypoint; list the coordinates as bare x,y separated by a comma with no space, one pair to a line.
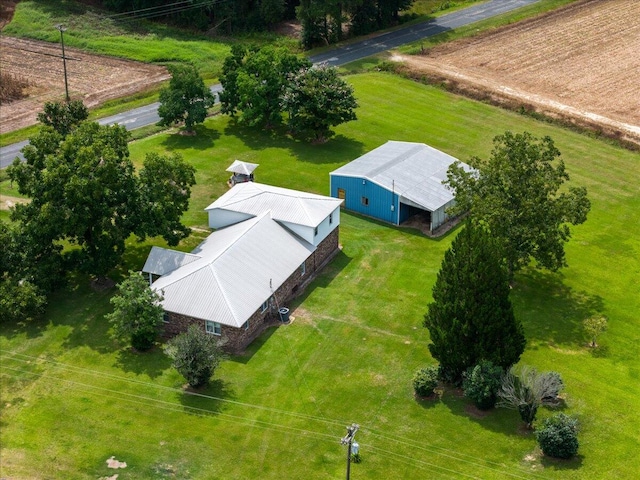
235,281
395,181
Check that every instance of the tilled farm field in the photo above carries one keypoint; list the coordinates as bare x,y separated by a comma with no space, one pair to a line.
580,63
92,78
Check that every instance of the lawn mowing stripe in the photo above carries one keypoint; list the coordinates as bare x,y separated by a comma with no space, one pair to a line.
153,402
74,369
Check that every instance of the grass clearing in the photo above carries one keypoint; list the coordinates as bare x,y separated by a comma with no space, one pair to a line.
357,337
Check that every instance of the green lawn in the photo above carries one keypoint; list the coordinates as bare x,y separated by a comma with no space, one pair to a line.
71,398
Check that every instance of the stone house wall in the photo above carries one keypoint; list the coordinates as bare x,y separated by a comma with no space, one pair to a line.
236,339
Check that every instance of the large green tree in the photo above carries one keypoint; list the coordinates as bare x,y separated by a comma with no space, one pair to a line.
471,317
137,314
317,99
186,99
84,190
254,80
63,117
519,195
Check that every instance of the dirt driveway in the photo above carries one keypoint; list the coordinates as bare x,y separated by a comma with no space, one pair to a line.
92,78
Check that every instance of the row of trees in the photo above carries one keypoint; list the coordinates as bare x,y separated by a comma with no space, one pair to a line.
86,200
518,210
268,86
323,21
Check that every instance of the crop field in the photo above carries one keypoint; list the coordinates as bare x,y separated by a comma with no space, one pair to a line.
92,78
579,63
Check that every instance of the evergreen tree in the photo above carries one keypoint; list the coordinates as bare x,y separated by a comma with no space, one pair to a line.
471,317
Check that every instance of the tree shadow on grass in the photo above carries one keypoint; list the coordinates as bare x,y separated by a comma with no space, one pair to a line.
338,149
207,400
204,139
551,312
152,362
559,464
500,420
254,346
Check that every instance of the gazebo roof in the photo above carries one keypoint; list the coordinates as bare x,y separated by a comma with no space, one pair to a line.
244,168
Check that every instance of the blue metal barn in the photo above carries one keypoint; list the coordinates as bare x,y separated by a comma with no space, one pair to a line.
396,181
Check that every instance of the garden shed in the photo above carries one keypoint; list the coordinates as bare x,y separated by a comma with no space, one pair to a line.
396,181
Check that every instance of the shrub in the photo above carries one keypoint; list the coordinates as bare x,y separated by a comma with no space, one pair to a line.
481,384
195,354
593,327
554,383
558,436
137,314
528,390
425,380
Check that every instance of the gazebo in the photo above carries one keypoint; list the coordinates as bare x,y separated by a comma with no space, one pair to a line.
242,172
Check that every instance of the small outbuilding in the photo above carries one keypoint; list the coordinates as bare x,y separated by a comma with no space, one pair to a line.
242,172
395,182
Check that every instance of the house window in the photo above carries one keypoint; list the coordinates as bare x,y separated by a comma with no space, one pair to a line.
303,269
246,325
330,218
212,327
315,231
365,201
165,317
264,307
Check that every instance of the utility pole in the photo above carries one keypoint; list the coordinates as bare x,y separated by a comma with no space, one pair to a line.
64,60
349,440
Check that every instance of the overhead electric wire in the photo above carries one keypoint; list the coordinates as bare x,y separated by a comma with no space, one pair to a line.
178,390
161,10
149,401
433,449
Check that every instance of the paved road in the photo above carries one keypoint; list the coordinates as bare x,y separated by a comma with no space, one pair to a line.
148,114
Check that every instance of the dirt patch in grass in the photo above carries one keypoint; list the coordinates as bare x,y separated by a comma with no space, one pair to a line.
6,201
93,79
579,64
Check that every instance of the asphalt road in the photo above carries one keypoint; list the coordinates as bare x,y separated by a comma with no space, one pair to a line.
148,115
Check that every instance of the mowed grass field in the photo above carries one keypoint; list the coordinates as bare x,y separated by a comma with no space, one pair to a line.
71,398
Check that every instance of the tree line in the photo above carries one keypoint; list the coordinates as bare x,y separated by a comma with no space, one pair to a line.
323,21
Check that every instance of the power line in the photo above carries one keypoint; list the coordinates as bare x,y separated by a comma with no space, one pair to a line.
178,390
436,450
161,10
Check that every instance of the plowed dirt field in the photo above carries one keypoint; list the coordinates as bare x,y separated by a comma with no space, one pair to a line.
92,78
580,63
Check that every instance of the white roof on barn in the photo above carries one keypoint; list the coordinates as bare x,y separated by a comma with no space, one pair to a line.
414,171
245,168
236,271
286,205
